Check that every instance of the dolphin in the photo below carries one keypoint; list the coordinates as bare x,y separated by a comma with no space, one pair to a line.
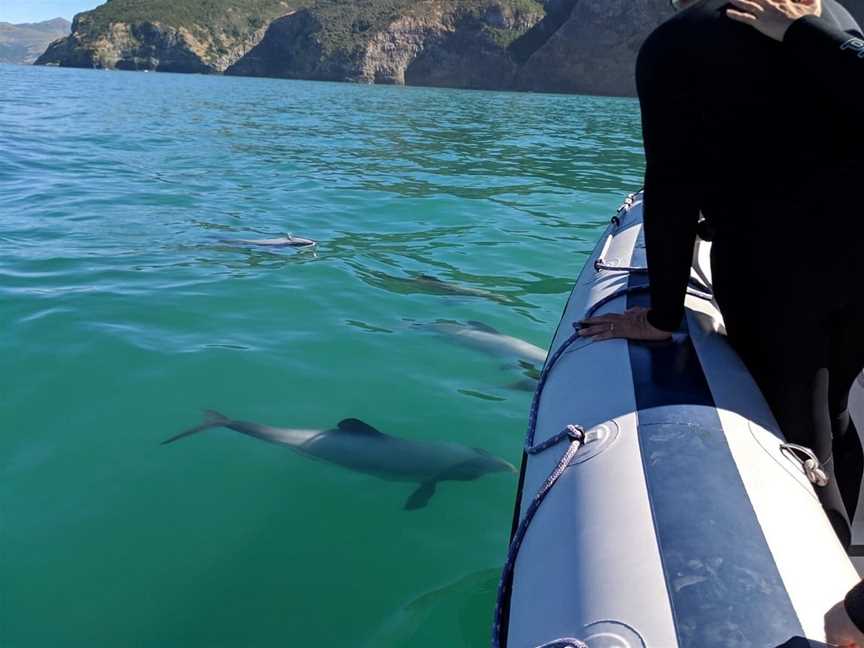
358,446
288,240
428,285
438,286
485,338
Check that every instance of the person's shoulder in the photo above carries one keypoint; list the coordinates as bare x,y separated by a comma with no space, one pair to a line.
689,35
659,39
657,47
679,31
659,52
838,16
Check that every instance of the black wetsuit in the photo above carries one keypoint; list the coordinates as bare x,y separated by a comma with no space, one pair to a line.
766,140
832,48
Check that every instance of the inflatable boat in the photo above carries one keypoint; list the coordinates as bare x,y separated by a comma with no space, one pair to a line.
659,506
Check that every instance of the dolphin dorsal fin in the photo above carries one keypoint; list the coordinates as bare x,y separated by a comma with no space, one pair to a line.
356,426
480,326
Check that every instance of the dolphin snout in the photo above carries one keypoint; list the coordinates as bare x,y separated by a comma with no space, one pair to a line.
499,465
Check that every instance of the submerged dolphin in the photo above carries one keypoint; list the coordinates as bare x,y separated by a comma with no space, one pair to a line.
428,285
438,286
355,445
485,338
288,240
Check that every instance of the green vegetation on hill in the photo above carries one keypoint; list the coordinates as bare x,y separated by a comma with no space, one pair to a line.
345,24
328,39
231,16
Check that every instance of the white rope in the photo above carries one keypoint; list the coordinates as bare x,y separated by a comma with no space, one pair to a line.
810,464
567,642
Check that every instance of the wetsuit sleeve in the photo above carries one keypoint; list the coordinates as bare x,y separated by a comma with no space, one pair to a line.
836,56
671,202
854,604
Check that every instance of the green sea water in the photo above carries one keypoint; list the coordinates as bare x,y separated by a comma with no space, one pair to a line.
124,315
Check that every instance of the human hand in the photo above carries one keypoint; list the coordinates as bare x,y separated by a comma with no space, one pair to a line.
839,629
633,324
773,17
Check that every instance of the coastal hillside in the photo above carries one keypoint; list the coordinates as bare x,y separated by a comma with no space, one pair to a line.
574,46
203,36
23,43
467,44
594,51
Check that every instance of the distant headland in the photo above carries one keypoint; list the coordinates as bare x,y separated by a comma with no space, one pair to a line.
572,46
23,43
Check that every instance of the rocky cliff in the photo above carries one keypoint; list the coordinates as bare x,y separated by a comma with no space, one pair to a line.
573,46
202,36
594,51
454,44
580,46
23,43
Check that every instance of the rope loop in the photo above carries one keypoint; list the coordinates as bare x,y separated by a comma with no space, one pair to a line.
576,432
602,266
809,463
572,432
629,201
565,642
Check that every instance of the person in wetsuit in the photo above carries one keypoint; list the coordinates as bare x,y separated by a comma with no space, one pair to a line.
764,138
826,47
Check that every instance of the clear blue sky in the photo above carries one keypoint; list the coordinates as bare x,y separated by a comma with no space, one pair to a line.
19,11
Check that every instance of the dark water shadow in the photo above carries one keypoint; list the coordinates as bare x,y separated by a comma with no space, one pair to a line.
465,604
416,283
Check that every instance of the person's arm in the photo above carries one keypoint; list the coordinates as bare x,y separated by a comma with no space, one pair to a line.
672,195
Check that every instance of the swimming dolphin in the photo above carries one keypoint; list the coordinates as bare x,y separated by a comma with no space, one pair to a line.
288,240
485,338
438,286
355,445
428,285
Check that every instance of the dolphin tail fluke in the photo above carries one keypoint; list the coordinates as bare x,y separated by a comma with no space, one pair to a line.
420,497
212,419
